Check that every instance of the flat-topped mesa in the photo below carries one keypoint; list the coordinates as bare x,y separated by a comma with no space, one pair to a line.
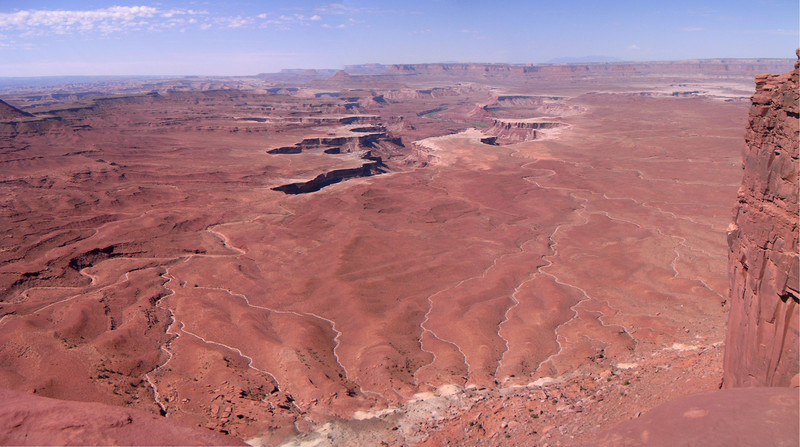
361,119
14,122
532,123
454,69
522,100
762,339
518,130
707,67
352,143
404,94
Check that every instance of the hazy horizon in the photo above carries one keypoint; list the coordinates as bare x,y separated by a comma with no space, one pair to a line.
192,38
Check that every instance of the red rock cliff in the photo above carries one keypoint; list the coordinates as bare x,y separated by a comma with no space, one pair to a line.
762,340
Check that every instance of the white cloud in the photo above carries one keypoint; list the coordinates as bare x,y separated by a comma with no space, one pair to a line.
115,19
234,22
692,28
104,20
633,47
285,21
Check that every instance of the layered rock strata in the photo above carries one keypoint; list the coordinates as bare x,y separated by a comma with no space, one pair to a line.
9,112
711,67
515,131
762,338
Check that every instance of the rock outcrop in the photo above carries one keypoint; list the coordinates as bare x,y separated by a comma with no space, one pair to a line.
761,352
26,419
762,338
9,112
509,131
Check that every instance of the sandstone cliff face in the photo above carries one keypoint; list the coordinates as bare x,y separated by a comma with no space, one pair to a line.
510,131
762,339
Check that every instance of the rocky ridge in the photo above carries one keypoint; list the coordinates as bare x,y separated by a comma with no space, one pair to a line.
517,130
710,67
9,112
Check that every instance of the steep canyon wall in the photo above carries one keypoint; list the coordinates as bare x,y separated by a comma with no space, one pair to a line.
762,339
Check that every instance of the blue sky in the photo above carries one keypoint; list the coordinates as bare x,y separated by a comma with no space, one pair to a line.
43,38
